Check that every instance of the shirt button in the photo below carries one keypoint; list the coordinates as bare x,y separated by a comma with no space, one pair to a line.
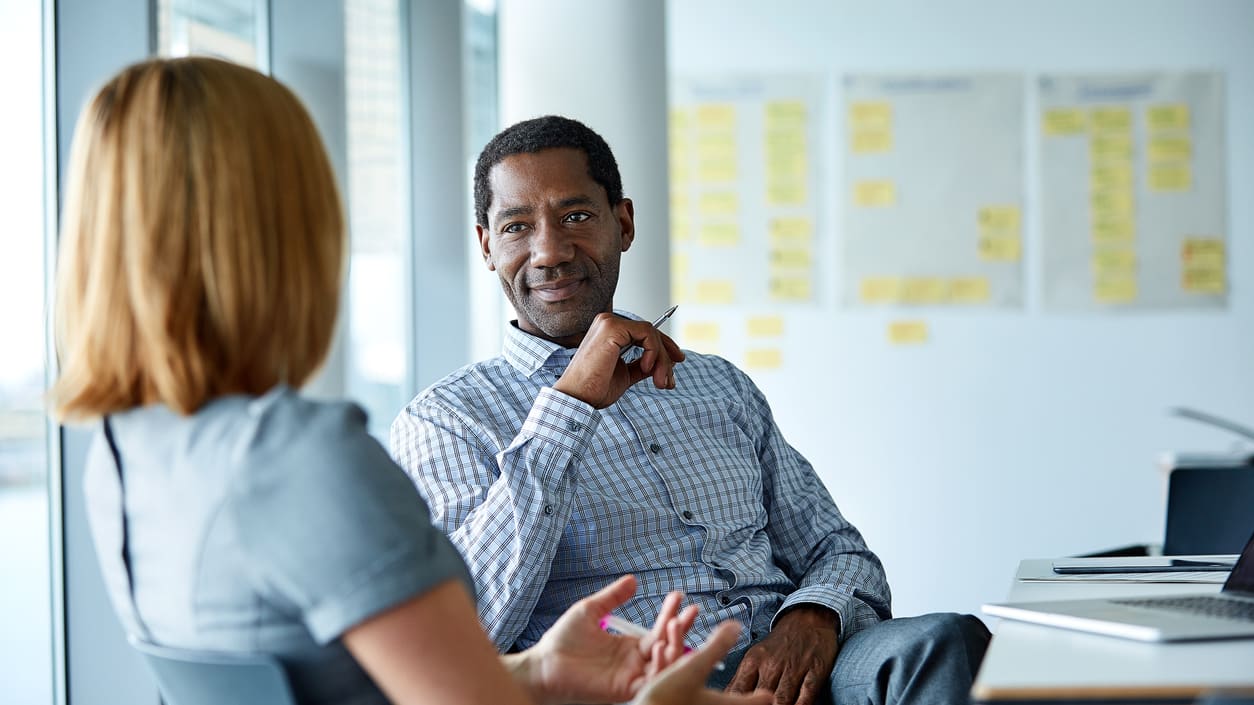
724,600
687,515
655,448
574,426
548,510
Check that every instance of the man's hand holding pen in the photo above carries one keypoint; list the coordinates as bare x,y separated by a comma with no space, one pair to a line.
598,375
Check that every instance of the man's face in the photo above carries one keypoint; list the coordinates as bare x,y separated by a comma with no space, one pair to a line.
555,241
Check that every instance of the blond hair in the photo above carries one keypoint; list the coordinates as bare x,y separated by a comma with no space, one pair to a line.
202,246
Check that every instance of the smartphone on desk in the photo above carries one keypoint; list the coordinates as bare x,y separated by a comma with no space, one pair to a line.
1144,564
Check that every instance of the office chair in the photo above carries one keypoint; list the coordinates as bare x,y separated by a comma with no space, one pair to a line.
188,677
1210,510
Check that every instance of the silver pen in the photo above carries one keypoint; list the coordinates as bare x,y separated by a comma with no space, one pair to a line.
657,323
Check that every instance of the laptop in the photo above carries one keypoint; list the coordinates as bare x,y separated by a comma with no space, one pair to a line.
1227,615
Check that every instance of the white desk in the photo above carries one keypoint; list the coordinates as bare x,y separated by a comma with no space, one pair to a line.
1032,663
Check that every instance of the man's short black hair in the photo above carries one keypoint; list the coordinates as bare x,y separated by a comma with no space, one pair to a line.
538,134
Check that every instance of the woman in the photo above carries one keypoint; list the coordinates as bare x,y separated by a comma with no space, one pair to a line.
202,255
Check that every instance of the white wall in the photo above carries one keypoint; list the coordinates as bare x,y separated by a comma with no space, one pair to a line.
1010,434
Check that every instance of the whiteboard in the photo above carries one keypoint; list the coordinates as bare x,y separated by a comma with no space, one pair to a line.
1009,433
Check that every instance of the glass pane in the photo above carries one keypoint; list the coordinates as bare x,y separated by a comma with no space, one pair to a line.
25,604
224,28
490,310
378,291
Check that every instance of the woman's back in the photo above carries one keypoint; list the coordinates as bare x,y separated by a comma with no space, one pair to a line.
268,524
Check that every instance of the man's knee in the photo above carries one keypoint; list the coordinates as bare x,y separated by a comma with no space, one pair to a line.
952,631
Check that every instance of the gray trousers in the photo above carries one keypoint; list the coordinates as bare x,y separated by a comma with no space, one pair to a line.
932,658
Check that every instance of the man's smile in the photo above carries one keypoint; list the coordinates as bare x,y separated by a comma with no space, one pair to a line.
557,290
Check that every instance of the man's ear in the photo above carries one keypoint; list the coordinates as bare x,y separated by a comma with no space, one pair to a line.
485,246
625,211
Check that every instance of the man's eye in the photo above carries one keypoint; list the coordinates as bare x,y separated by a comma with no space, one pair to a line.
514,228
577,217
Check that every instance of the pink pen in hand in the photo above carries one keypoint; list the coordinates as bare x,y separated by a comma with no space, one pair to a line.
622,626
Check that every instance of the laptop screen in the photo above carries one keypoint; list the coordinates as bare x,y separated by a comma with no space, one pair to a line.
1242,577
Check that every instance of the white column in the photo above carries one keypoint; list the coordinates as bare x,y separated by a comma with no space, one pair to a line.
602,62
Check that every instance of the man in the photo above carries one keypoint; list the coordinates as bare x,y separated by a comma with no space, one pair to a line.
554,472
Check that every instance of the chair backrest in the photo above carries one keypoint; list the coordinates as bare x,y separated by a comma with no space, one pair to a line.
188,677
1209,510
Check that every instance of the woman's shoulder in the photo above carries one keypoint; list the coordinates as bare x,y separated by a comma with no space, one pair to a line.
285,437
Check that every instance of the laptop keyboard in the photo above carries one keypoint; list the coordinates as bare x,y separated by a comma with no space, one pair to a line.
1207,605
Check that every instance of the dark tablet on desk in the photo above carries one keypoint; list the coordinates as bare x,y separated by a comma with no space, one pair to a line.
1144,564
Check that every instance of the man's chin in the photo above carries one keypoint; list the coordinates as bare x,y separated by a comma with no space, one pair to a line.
562,325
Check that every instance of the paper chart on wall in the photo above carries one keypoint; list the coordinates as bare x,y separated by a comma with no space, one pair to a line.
933,190
746,166
1133,191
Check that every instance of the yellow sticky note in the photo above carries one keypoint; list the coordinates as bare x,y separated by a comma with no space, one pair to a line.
1111,146
1170,177
786,192
1108,261
681,172
791,258
784,230
679,291
907,332
1060,122
720,116
1167,116
716,203
785,111
1115,290
717,170
1114,118
875,194
680,202
1005,219
1201,246
880,290
681,147
786,165
719,234
872,114
925,290
715,291
969,290
681,119
1204,280
764,359
680,265
784,141
1000,248
716,143
765,326
699,332
871,141
1116,175
1117,229
791,288
1170,148
1112,202
681,229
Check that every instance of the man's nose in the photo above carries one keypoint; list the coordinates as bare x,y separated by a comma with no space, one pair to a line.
550,247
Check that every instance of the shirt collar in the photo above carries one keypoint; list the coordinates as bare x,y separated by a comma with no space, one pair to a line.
528,353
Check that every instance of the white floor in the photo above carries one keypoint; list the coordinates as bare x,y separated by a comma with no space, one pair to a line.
25,603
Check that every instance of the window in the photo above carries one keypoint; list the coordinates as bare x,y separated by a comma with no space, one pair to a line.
25,590
378,309
228,29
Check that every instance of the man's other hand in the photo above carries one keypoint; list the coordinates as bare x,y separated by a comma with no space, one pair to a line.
598,376
794,660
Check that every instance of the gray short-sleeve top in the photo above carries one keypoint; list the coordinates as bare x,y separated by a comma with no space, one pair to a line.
262,524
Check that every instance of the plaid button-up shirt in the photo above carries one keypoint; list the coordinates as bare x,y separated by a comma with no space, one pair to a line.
690,489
